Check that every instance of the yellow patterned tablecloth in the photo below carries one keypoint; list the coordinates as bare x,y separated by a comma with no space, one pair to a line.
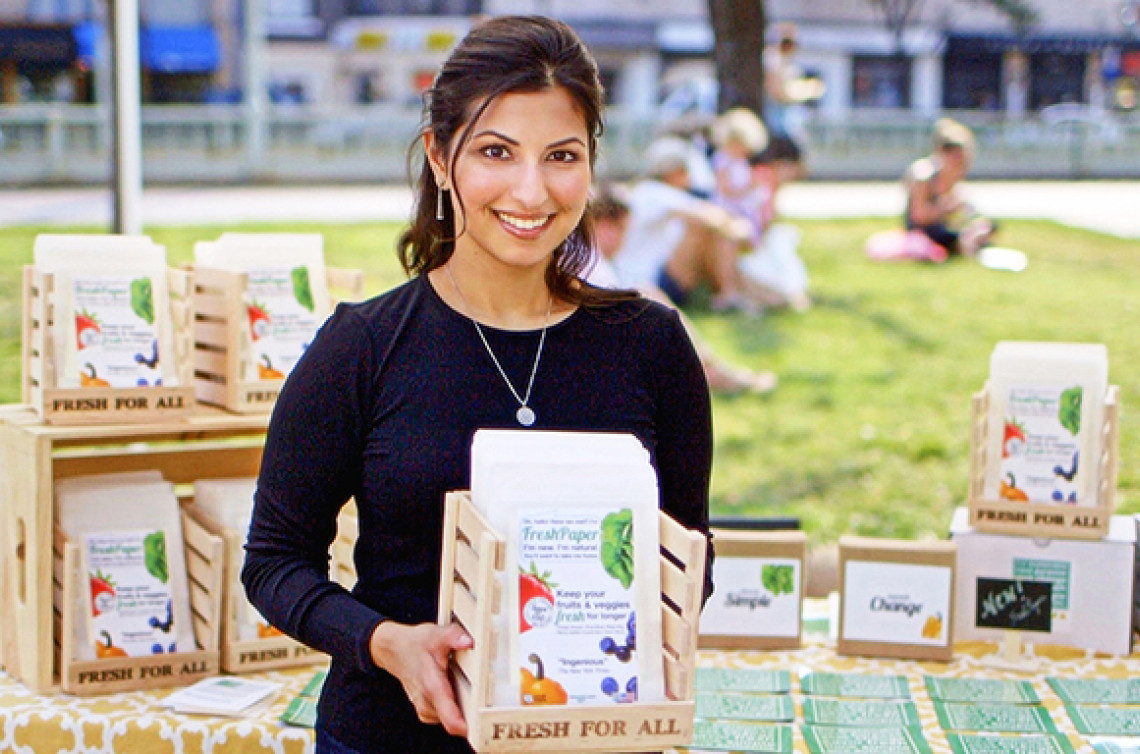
137,723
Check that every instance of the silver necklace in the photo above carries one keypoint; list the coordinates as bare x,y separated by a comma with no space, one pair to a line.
525,414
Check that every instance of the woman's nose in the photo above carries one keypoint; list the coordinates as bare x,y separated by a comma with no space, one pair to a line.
529,186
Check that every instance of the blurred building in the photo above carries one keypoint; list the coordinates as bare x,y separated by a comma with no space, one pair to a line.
951,54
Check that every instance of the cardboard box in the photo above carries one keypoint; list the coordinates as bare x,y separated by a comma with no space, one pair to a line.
759,578
897,598
1092,583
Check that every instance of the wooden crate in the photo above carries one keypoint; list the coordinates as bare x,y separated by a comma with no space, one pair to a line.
204,569
93,405
1045,520
34,456
472,554
252,655
272,652
219,322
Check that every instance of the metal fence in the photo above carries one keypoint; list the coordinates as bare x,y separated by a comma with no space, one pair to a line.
67,144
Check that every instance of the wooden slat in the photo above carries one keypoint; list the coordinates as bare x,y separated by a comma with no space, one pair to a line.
474,527
678,587
466,563
678,676
464,606
676,633
210,333
468,662
351,281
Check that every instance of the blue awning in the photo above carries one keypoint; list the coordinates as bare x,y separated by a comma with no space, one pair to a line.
1055,42
88,36
179,49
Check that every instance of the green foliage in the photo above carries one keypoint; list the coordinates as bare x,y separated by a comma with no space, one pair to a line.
302,291
154,552
617,545
1069,414
142,299
777,579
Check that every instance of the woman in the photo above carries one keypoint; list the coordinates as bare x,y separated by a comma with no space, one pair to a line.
495,329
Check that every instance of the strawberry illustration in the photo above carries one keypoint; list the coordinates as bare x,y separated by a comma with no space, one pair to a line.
87,329
259,319
1013,442
102,593
536,598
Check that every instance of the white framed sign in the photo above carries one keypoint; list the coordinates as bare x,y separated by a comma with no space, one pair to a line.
897,598
758,599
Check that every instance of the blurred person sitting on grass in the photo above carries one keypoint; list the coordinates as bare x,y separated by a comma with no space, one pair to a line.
935,205
773,272
611,218
676,241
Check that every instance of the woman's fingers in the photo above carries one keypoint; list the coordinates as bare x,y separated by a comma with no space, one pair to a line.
418,656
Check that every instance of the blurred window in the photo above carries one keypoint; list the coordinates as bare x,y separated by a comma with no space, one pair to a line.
880,81
1056,78
971,80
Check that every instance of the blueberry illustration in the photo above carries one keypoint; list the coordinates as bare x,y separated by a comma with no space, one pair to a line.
607,645
631,641
631,624
631,686
172,646
609,686
623,654
153,622
1058,496
156,648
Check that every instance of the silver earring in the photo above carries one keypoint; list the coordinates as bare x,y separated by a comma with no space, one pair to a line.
439,204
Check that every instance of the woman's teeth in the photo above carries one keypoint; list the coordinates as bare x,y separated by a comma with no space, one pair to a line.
523,224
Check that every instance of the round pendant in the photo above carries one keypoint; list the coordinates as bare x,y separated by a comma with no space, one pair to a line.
525,415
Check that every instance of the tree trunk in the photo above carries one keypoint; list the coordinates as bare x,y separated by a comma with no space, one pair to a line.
738,28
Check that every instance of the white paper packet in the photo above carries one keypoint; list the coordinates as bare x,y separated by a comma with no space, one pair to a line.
1046,409
553,495
126,502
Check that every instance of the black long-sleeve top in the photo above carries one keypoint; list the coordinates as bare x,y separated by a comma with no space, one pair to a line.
382,408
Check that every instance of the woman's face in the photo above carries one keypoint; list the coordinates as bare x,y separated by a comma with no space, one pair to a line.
524,177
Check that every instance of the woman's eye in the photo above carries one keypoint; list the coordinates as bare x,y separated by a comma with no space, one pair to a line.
495,151
564,155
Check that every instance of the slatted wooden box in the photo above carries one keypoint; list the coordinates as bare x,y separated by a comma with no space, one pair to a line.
101,405
279,651
219,324
204,569
1045,520
472,555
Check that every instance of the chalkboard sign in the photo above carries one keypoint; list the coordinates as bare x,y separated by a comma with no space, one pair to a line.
1015,604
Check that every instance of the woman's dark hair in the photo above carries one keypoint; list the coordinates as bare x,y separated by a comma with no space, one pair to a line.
504,55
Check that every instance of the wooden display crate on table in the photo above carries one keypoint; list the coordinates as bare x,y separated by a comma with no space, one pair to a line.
220,321
34,456
273,651
204,569
469,593
101,405
1045,520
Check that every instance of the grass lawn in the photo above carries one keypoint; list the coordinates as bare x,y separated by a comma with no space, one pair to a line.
869,430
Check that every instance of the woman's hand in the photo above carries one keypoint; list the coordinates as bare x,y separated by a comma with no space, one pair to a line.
418,656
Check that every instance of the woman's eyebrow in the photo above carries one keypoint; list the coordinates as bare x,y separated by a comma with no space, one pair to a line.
515,142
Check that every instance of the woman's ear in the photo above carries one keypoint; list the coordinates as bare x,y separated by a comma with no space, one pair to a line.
436,158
